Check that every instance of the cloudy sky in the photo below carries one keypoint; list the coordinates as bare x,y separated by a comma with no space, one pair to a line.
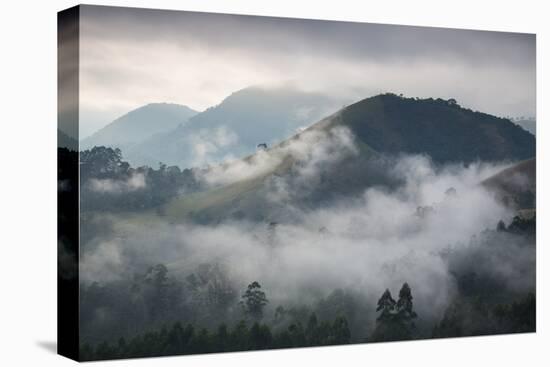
131,57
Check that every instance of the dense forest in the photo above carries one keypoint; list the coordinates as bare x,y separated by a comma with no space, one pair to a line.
288,328
111,184
395,321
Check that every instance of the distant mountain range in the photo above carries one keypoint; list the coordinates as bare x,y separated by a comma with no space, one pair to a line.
177,135
235,127
139,125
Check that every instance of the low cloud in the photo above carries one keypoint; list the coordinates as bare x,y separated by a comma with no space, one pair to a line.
379,240
110,186
307,152
207,144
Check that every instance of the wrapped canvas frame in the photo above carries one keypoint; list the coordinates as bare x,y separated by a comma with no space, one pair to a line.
68,175
473,163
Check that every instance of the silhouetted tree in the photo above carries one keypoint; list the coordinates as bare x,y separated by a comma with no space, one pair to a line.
260,337
254,301
404,303
405,313
386,306
395,321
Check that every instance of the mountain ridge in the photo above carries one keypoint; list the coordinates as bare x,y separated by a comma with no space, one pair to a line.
440,128
235,126
139,124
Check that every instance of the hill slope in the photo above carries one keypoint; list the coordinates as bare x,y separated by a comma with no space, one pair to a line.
139,124
442,129
517,185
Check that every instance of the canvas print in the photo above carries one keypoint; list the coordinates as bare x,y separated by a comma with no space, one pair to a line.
238,183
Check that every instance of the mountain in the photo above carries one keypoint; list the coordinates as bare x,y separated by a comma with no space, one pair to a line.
65,141
381,125
138,125
234,128
529,124
439,128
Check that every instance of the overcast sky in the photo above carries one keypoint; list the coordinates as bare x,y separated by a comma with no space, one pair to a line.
131,57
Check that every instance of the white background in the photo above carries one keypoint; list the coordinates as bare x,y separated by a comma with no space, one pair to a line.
28,178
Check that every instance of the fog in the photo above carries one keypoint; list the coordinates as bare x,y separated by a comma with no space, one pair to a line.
309,151
420,232
110,186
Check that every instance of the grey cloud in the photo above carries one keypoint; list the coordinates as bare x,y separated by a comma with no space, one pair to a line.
306,36
137,56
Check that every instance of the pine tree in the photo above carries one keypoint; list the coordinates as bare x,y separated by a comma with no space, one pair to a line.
405,310
386,306
311,330
340,331
395,321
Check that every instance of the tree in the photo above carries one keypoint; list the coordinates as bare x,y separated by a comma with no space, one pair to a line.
280,315
297,335
405,304
340,331
395,321
386,306
212,289
405,312
159,291
222,338
312,334
254,301
239,337
101,162
260,337
175,340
